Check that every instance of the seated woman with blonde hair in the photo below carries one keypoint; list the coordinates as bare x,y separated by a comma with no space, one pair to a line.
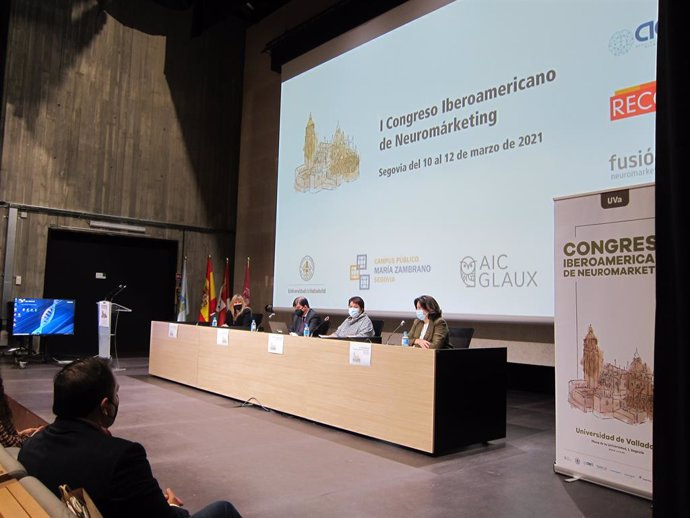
240,313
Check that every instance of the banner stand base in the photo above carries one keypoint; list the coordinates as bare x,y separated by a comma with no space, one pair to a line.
600,482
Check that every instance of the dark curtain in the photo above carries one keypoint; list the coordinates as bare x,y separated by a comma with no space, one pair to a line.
672,340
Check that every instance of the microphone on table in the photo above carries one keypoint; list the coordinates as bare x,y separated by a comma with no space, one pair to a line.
271,315
312,331
402,323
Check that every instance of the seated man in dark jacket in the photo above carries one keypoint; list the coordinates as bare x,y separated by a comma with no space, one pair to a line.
78,450
304,316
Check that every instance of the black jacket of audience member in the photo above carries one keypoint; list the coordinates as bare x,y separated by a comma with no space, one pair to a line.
115,471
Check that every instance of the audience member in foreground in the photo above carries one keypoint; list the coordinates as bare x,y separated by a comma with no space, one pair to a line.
9,436
357,324
429,330
78,450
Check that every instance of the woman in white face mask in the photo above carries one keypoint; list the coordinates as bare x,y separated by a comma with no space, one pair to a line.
429,330
357,324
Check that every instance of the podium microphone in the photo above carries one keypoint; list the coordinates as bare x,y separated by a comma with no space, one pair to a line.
119,289
110,294
402,323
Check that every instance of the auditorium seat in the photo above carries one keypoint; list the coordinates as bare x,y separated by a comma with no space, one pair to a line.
322,328
9,465
460,337
45,498
378,326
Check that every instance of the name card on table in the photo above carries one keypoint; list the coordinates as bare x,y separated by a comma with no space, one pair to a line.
172,330
222,337
360,354
275,344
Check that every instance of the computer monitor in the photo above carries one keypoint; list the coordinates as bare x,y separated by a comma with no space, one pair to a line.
43,317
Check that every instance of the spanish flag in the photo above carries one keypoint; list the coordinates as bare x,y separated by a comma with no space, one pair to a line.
208,295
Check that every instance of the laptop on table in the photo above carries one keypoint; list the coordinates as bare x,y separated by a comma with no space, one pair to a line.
278,326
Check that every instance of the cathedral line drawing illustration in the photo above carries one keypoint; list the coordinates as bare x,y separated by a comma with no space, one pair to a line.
327,165
611,391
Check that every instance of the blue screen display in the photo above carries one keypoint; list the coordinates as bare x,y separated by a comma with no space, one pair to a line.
43,317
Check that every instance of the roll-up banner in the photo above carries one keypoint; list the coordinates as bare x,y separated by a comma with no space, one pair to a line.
605,266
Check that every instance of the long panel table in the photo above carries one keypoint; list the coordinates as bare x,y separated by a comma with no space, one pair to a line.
432,401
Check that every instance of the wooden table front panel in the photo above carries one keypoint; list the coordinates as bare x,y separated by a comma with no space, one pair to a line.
393,399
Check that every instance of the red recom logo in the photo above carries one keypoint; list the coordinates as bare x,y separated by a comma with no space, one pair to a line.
636,100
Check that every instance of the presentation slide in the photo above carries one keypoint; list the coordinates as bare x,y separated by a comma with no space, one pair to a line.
426,160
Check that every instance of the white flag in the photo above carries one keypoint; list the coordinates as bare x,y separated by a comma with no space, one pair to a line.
182,307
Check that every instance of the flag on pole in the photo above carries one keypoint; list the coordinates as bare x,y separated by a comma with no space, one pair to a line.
208,295
245,288
182,307
223,296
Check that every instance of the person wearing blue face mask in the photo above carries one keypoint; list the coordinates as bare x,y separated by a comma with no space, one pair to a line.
357,324
429,330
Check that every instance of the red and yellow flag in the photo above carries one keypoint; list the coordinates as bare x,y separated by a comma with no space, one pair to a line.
224,296
208,295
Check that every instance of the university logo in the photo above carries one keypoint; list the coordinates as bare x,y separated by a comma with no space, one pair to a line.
306,268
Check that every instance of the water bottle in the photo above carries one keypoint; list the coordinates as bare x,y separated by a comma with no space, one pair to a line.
306,329
405,339
214,321
253,326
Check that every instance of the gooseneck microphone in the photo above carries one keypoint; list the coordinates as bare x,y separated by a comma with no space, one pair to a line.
119,289
402,323
110,294
312,331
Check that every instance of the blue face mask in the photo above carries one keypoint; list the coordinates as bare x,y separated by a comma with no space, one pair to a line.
353,312
420,314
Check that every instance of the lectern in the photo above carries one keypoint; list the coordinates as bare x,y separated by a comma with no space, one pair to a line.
108,313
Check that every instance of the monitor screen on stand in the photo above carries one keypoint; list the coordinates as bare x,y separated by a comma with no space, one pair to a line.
42,317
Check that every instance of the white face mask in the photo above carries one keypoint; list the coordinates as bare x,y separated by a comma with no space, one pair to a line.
353,312
420,314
